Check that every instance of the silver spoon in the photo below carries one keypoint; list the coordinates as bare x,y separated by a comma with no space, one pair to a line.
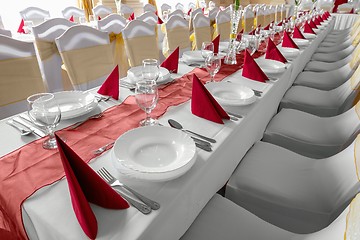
99,115
177,125
103,148
22,131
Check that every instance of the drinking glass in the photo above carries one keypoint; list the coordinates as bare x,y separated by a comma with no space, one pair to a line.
207,48
150,69
28,27
146,95
44,111
252,45
213,64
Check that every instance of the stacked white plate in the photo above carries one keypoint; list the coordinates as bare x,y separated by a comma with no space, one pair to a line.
75,103
135,73
193,56
271,67
289,53
231,94
309,35
301,42
154,153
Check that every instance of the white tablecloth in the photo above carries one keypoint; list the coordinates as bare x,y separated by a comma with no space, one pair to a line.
48,213
344,21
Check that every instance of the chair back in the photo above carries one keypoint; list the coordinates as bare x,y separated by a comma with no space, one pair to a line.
223,26
260,16
283,12
101,11
20,75
34,14
180,6
177,12
5,32
267,16
212,14
112,23
165,7
192,15
48,55
140,42
149,18
192,6
278,14
126,11
149,8
87,56
74,12
202,30
248,20
177,35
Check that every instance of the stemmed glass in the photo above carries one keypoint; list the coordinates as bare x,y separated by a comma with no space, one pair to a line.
213,64
146,95
252,44
207,48
150,69
44,111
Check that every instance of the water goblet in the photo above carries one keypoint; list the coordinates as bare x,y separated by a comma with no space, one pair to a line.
207,48
150,69
146,95
252,45
44,112
213,64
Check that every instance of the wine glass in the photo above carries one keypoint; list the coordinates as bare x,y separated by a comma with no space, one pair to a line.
146,95
44,111
207,48
213,64
252,45
150,69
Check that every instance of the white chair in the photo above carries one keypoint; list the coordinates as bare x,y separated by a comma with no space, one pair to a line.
223,219
112,23
248,19
222,21
165,7
126,10
74,12
20,75
180,6
101,11
192,6
323,103
212,13
202,30
48,56
177,12
192,15
333,56
140,42
296,193
177,35
149,8
34,14
87,56
149,18
5,32
311,135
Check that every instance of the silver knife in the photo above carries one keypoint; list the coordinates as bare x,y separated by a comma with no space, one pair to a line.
27,123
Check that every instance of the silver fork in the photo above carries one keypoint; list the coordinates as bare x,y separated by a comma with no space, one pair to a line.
112,181
145,209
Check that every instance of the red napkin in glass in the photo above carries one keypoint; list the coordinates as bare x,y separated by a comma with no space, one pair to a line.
216,43
352,11
280,24
312,24
132,17
239,35
21,27
86,186
160,21
253,31
190,10
111,85
308,29
288,42
297,33
316,21
252,70
272,52
171,63
71,19
99,18
204,105
268,26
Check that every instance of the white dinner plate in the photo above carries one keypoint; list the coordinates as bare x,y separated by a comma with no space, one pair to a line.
223,46
135,73
270,66
301,42
289,53
75,103
231,94
193,56
154,152
309,35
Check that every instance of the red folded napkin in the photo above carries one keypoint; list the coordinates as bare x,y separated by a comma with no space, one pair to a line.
171,63
86,186
272,52
312,24
131,17
99,18
189,11
253,31
111,85
71,19
352,11
239,35
288,42
21,27
160,21
268,26
252,70
317,22
308,29
297,33
320,19
216,43
279,24
204,105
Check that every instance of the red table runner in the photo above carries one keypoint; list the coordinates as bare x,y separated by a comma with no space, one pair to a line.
29,168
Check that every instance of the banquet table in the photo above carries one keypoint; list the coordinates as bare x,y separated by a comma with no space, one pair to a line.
48,213
344,20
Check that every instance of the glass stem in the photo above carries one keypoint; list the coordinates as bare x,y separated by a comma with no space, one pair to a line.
147,118
51,133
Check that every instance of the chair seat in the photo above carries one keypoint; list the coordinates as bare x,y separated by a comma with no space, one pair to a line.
334,48
310,135
333,56
291,191
320,66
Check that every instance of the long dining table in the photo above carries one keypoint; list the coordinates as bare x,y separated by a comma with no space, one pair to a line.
48,213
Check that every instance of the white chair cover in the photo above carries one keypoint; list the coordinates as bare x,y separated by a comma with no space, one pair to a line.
310,135
34,14
126,10
112,23
180,7
5,32
74,12
293,192
149,8
177,35
177,12
101,11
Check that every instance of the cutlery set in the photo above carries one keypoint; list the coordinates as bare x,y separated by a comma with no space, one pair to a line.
26,126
